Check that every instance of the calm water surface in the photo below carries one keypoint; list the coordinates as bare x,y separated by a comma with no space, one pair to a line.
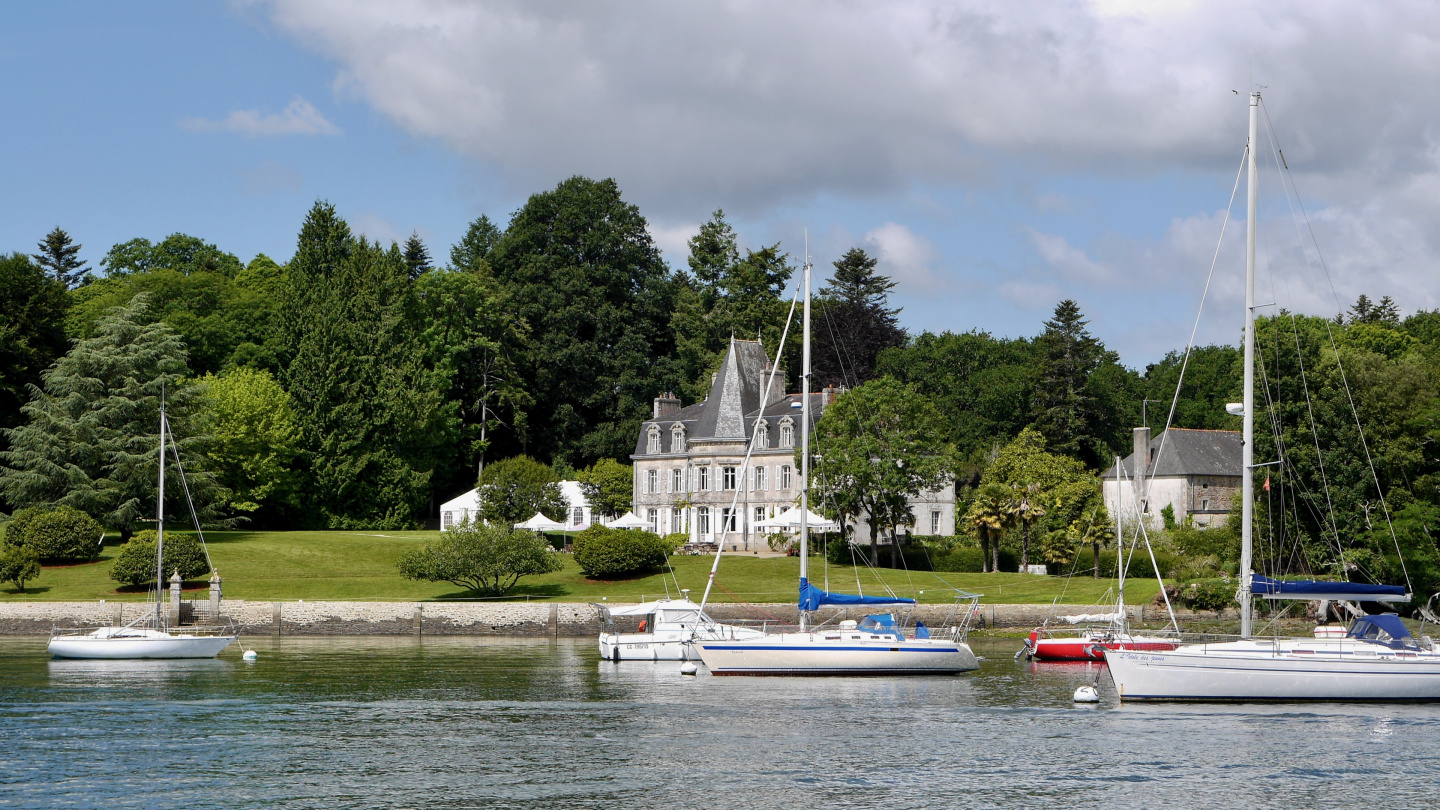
445,723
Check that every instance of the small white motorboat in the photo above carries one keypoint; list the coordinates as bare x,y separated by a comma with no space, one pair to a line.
667,627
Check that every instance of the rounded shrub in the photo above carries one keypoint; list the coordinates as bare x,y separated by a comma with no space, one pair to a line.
1208,594
604,552
56,534
135,565
18,565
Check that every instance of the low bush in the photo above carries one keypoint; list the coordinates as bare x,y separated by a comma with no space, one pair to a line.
135,565
487,559
1140,567
57,534
604,552
963,560
18,565
1208,594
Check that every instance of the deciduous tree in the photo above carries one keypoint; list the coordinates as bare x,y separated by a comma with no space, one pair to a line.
609,486
483,559
513,490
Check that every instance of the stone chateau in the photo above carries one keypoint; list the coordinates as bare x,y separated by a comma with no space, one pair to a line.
688,461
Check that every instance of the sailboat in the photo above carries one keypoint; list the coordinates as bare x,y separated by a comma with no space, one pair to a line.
876,645
151,635
665,630
1098,632
1377,659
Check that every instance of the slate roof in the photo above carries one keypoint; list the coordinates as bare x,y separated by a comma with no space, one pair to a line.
1190,452
733,405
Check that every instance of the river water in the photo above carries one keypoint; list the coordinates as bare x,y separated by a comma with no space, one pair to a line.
450,723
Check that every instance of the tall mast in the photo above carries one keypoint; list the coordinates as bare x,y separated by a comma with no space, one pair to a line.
1247,454
805,436
1120,562
160,519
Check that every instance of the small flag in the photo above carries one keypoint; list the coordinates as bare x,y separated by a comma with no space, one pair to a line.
1267,483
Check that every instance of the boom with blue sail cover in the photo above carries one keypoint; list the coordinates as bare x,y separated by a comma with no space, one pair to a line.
1313,590
812,598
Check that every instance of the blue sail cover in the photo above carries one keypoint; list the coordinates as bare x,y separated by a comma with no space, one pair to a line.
1311,589
812,598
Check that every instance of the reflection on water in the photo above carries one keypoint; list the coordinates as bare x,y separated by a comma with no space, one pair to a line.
382,722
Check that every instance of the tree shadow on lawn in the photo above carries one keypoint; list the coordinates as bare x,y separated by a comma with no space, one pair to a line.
622,579
519,591
30,590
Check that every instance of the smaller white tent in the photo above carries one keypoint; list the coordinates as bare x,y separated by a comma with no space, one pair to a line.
540,523
460,509
627,521
790,520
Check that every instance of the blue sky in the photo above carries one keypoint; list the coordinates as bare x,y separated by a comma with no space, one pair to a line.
995,156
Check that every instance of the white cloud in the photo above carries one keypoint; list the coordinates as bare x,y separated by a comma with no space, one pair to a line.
674,241
905,256
376,228
299,118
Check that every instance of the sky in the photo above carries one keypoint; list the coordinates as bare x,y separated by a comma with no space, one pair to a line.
996,157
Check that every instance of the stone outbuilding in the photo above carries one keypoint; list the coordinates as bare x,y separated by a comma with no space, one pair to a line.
1197,472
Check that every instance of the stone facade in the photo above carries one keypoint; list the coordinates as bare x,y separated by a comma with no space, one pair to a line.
1195,472
688,461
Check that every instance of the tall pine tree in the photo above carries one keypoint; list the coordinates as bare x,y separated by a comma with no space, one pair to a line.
371,416
60,257
855,322
91,436
1066,411
471,253
417,256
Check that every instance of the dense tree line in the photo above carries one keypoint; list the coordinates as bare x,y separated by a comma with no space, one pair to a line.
358,384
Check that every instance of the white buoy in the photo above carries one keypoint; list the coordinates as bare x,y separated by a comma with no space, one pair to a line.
251,655
1087,694
689,668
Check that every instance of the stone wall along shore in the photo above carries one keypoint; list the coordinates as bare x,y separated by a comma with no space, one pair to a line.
526,619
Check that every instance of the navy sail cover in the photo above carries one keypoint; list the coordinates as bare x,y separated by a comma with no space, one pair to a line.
812,598
1312,589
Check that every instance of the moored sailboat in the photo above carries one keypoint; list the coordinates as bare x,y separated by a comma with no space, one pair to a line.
876,645
1377,659
151,635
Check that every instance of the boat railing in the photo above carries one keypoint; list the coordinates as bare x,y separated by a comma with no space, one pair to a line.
226,628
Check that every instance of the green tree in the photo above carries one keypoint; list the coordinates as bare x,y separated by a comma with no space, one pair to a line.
609,486
1212,379
472,344
254,437
59,257
990,514
483,559
372,415
32,330
471,253
91,436
18,565
1084,399
578,267
417,256
513,490
855,322
875,447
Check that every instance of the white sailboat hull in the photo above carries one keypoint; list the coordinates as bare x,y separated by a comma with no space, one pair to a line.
821,653
133,644
1290,670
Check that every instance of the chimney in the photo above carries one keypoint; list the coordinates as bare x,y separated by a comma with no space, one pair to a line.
777,388
666,404
1142,466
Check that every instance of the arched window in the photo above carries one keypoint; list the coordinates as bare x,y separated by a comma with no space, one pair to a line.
787,432
677,438
762,434
652,444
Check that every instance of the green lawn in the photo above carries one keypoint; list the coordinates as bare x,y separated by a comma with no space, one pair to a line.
333,565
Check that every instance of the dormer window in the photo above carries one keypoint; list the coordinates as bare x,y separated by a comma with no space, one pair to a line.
787,432
762,434
677,439
652,443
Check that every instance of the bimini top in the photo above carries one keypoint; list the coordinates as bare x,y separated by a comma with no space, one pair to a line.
812,598
1311,589
1384,629
646,608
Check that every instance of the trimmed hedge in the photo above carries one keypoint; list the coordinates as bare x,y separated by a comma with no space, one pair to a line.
967,561
135,564
604,552
57,534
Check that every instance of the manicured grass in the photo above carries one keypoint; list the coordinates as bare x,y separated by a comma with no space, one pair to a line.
353,566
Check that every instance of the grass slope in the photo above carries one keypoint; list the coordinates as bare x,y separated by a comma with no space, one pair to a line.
354,566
